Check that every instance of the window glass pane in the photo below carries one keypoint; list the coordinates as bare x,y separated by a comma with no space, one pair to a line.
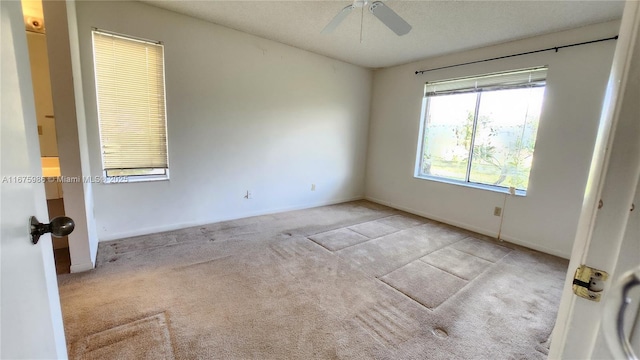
505,137
447,135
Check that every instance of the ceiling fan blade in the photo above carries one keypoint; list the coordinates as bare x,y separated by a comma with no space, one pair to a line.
333,24
390,18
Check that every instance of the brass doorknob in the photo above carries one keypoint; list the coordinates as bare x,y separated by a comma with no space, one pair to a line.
59,226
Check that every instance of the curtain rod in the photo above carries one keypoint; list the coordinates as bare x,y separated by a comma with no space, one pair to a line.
555,48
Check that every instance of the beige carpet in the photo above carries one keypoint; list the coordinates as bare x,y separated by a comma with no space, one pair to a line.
350,281
123,342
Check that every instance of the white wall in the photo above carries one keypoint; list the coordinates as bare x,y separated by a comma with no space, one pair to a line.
547,217
244,113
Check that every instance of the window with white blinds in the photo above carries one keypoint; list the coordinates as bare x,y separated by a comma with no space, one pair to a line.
131,105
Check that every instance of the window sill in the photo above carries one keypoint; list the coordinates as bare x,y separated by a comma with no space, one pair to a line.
497,189
134,179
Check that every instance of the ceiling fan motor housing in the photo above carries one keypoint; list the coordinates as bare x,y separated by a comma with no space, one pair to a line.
360,3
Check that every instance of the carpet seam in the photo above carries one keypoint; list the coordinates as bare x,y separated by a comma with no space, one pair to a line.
462,288
468,281
418,258
468,253
359,223
452,274
395,232
448,272
408,297
317,243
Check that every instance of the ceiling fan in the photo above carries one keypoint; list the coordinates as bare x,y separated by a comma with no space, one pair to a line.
388,17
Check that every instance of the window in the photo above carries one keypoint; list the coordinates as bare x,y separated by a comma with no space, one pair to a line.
131,106
481,131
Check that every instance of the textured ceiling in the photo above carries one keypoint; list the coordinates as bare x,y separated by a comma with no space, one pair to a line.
439,27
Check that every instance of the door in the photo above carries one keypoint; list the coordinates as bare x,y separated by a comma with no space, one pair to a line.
31,325
608,200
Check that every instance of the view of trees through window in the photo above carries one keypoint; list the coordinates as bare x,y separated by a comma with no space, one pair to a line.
484,137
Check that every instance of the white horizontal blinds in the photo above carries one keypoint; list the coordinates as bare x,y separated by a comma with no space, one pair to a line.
495,81
131,102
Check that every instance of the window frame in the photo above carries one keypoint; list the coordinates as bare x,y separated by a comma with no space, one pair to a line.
478,92
131,178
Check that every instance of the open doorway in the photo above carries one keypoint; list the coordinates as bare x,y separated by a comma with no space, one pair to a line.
49,155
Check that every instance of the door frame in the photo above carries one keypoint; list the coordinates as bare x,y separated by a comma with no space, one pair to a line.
611,186
68,102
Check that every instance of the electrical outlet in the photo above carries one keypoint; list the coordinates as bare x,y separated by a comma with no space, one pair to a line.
313,187
497,211
248,195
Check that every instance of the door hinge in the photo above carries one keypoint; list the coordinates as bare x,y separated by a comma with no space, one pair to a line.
588,282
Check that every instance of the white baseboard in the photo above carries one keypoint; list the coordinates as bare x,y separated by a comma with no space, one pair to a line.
81,267
184,225
469,227
537,247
